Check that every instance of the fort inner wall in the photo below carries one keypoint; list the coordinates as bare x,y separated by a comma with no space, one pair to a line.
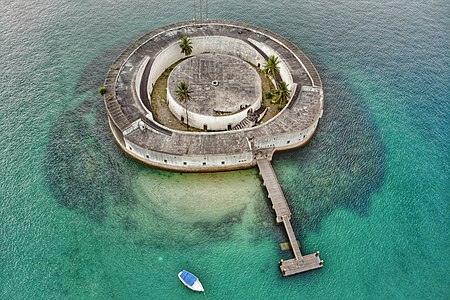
211,122
212,44
284,69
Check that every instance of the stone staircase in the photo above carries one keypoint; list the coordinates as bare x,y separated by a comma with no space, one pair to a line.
251,119
245,123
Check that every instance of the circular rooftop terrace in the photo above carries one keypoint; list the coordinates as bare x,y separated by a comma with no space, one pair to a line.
220,84
131,78
224,89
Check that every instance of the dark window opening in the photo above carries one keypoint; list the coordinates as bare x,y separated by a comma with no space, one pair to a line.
184,163
204,163
229,126
288,142
223,163
205,127
165,161
182,119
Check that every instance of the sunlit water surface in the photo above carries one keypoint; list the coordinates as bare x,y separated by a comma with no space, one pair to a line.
80,220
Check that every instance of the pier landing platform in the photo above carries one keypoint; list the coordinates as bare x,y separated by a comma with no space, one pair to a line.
299,263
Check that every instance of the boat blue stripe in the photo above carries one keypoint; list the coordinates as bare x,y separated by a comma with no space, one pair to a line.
188,278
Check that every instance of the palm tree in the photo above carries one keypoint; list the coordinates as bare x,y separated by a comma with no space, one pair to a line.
186,46
282,93
183,95
271,67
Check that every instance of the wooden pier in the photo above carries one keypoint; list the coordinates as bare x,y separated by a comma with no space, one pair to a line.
299,263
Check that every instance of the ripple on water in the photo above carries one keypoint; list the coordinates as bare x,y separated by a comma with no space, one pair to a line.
342,165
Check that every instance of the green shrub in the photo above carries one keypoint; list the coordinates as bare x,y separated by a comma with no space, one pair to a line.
102,90
268,95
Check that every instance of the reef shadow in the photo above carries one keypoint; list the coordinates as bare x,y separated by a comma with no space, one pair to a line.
343,164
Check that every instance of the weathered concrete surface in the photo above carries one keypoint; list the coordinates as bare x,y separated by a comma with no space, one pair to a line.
219,83
223,89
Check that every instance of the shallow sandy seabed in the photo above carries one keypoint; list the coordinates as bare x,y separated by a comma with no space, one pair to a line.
205,197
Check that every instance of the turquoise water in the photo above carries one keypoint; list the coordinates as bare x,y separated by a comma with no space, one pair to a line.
80,220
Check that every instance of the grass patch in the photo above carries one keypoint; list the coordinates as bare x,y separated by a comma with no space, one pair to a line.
267,87
160,106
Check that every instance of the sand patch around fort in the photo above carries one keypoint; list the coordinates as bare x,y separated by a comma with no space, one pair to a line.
204,197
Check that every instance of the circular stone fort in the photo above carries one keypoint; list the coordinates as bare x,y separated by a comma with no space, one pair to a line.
223,117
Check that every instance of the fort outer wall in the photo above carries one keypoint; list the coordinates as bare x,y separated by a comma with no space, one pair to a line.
153,144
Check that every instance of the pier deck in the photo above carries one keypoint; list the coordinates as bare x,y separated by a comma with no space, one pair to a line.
300,263
279,203
292,239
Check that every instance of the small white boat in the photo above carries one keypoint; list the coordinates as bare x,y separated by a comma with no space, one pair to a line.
191,281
